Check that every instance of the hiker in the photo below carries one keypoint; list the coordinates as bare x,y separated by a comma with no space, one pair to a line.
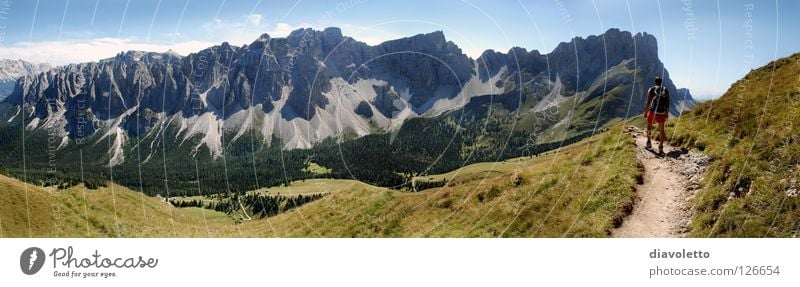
656,109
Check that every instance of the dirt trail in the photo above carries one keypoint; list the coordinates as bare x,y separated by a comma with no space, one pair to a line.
663,206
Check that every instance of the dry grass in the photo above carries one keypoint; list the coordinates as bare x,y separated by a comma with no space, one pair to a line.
81,212
578,191
753,134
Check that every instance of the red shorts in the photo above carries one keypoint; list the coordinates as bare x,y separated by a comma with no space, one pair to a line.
652,117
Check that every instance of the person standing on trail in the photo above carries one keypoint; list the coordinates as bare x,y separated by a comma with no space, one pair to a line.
656,110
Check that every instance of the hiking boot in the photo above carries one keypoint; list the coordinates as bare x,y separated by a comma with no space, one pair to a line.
661,149
648,145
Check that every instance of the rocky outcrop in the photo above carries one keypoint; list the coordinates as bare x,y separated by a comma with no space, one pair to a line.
11,70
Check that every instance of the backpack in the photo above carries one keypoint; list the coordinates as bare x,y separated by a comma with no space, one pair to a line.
659,104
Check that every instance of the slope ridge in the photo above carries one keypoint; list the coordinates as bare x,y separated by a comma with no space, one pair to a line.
752,134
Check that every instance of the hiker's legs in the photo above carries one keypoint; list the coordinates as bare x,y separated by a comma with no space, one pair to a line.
648,127
662,136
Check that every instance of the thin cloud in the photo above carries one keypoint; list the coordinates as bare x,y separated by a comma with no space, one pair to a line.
72,51
248,28
284,29
241,32
254,20
60,52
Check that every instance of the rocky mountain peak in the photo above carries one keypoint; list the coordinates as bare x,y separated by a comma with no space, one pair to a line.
263,38
646,45
132,57
429,42
11,70
332,33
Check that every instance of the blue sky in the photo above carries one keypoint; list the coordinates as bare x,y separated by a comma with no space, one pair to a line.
706,45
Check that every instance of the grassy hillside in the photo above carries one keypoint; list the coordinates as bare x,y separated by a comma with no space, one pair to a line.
753,134
581,190
81,212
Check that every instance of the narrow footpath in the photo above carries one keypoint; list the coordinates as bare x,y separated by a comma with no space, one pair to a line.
664,199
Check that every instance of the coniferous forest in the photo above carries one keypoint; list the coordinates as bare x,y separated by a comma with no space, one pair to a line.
170,168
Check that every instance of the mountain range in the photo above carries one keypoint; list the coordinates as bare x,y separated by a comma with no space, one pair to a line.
294,93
